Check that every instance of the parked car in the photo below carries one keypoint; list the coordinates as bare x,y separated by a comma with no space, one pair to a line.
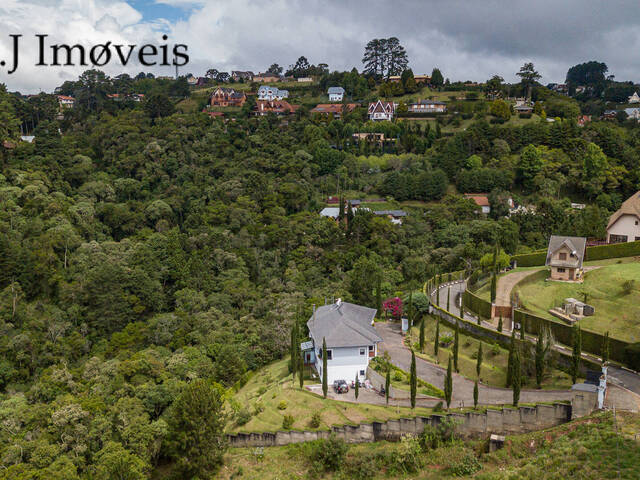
340,386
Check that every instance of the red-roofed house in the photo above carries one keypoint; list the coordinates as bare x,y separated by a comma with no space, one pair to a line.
277,107
66,102
480,200
334,109
381,110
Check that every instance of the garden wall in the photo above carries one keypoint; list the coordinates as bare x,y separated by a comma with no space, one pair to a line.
468,425
476,304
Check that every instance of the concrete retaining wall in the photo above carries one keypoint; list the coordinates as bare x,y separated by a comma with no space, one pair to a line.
469,425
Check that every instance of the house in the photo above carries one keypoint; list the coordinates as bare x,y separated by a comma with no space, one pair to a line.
336,94
266,77
583,120
417,78
427,106
277,107
565,256
335,109
396,216
609,114
351,339
480,200
633,113
523,109
369,137
192,81
227,97
305,80
238,75
271,93
624,225
330,212
634,98
381,110
65,101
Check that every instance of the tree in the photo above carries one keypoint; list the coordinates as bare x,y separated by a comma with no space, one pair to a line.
577,352
212,73
493,287
512,347
448,299
542,349
374,58
479,360
500,109
396,57
605,347
436,342
158,105
437,80
456,345
448,384
516,376
301,371
384,57
276,69
529,165
475,394
325,384
356,388
9,124
196,440
413,379
422,335
493,86
294,350
115,462
500,324
591,74
528,77
387,384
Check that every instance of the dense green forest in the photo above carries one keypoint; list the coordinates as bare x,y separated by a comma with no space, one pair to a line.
143,250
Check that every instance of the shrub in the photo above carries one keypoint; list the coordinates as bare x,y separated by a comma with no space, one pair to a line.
438,407
398,376
627,286
258,408
467,465
262,390
495,350
287,422
409,455
361,467
282,405
328,455
316,418
243,416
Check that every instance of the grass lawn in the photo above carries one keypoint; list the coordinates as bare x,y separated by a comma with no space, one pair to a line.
494,364
272,385
615,311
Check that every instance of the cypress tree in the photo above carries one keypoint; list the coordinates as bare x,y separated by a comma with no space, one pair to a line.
356,388
379,294
500,324
413,379
522,331
605,348
437,291
448,299
410,309
541,351
301,371
294,350
387,384
479,360
512,347
422,335
516,378
436,343
475,394
448,384
325,384
456,346
577,350
493,287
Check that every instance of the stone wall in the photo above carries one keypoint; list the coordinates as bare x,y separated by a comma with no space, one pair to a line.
468,425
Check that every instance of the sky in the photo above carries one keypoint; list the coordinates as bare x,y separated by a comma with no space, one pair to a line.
466,39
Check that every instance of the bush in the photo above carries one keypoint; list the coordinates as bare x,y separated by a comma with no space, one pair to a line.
467,465
495,350
243,416
627,286
316,418
632,356
438,407
409,455
328,455
362,466
282,405
287,422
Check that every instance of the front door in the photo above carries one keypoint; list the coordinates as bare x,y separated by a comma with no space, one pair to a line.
571,274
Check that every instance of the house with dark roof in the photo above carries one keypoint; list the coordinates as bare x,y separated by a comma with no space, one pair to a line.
336,94
227,97
624,225
396,216
565,257
352,340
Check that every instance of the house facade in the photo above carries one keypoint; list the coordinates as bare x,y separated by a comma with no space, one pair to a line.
227,97
381,110
480,200
635,98
272,93
238,75
335,109
336,94
351,339
277,107
266,77
427,106
624,225
565,256
65,101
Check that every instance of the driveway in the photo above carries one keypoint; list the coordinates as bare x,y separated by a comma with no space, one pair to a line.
462,387
507,282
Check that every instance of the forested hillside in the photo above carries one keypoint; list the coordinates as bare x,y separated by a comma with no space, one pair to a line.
141,250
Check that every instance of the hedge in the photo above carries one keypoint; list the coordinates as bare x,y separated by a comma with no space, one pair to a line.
600,252
476,304
591,341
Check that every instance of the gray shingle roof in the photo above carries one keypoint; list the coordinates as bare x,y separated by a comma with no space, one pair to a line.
393,213
575,244
343,325
338,90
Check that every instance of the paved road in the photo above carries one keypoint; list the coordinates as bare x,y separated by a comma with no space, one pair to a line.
462,387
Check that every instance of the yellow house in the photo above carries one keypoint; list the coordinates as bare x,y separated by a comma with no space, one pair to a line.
565,257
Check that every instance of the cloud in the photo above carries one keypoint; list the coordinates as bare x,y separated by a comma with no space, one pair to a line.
466,39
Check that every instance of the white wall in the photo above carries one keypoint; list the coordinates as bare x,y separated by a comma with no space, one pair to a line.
628,225
345,362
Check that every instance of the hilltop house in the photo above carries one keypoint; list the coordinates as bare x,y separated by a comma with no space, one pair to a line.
238,75
635,98
277,107
266,77
65,101
624,225
381,110
352,340
427,106
227,97
336,94
480,200
633,113
272,93
565,256
334,109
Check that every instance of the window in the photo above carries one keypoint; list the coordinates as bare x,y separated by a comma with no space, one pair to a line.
371,348
329,354
362,373
362,351
562,256
561,270
617,238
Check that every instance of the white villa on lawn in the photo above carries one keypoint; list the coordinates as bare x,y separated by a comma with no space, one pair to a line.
624,225
350,336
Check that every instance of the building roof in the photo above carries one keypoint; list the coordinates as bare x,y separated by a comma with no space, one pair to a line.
481,199
65,97
631,206
577,246
332,108
336,90
393,213
330,212
344,324
381,107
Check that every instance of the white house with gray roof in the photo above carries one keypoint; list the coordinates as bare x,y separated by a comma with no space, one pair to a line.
336,94
266,92
352,340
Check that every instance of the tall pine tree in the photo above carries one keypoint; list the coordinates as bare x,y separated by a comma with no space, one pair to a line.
413,379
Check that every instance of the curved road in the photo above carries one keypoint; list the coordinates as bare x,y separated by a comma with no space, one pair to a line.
462,387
